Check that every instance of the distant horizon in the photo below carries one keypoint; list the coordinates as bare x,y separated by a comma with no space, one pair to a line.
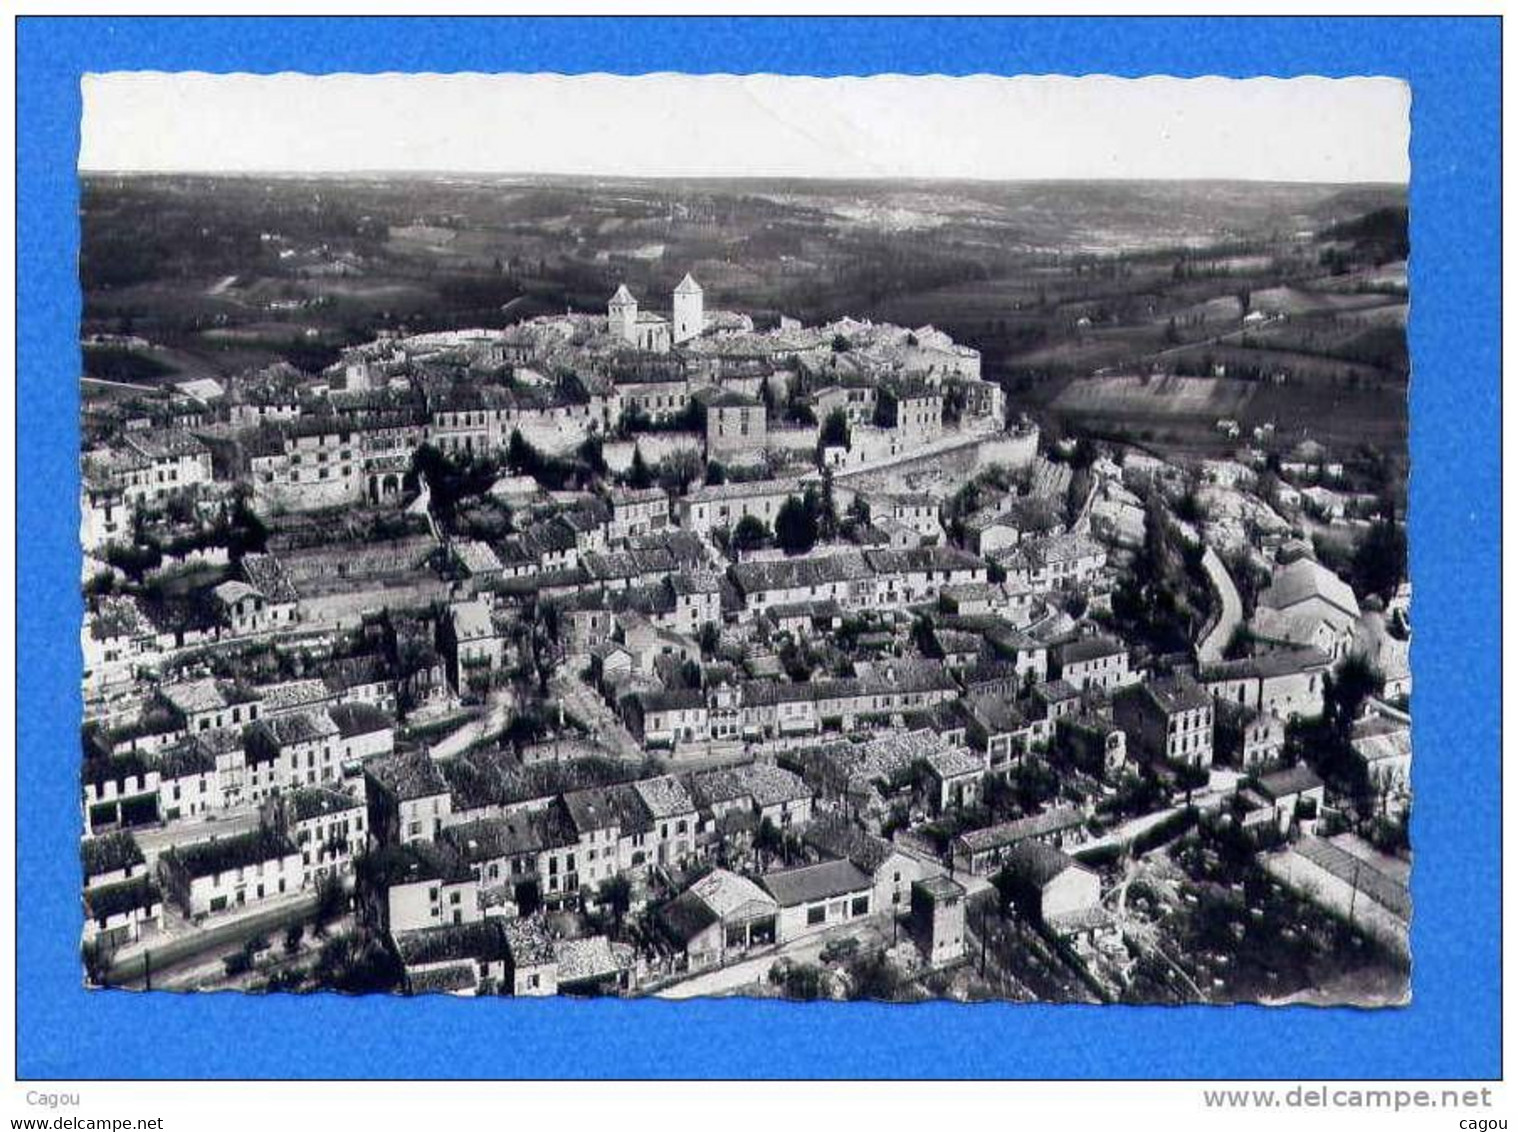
985,128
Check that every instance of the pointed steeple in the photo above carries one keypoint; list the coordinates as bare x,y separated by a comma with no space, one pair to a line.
622,315
690,320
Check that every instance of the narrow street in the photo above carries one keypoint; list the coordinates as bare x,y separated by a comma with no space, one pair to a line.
580,700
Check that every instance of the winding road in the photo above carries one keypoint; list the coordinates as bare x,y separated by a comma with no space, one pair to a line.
499,708
1210,648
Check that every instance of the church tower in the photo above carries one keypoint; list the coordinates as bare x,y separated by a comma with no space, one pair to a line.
622,315
690,318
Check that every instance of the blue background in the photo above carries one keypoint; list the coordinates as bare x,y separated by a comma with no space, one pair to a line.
1452,1028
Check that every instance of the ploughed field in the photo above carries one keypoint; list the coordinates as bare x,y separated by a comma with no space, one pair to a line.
1149,396
1325,358
1180,414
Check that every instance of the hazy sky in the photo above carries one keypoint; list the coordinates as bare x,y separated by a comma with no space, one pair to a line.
1308,129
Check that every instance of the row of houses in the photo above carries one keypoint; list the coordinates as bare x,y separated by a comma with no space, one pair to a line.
307,836
457,843
190,774
872,579
759,709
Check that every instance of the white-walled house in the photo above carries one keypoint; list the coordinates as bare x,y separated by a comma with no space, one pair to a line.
227,873
1062,892
814,898
329,827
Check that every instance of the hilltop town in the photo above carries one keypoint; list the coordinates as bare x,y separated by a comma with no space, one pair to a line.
666,650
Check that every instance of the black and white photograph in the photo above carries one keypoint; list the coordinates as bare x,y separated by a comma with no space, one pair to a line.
889,539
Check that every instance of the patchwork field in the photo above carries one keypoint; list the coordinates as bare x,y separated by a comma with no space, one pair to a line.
1154,396
1336,416
1299,300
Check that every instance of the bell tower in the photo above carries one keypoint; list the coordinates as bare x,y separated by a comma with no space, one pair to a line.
622,315
690,318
